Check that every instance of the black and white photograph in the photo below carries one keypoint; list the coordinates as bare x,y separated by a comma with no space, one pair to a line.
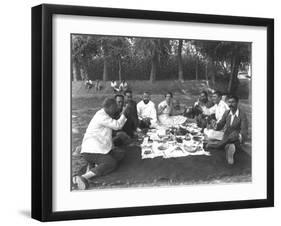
151,112
145,112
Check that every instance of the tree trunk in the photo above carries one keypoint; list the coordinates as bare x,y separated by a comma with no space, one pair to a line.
196,70
233,81
154,62
213,75
206,74
119,68
105,69
180,67
74,72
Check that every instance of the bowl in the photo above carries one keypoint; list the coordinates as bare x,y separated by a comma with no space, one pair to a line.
163,147
197,138
190,149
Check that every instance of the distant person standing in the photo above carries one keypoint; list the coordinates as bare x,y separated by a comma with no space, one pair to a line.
98,85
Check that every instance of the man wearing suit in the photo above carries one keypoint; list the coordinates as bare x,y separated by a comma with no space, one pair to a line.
132,122
235,126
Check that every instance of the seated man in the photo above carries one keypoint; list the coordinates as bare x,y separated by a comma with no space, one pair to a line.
120,137
132,122
89,84
146,112
196,111
123,86
215,114
234,122
97,147
114,87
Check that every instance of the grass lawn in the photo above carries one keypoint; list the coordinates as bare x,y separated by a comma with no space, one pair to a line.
133,171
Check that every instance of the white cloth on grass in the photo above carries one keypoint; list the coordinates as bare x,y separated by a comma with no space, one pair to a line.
213,134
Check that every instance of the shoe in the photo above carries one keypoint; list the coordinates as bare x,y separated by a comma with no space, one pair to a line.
82,183
230,150
77,151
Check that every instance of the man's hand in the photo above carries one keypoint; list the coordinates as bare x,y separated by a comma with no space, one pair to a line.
163,108
233,137
126,111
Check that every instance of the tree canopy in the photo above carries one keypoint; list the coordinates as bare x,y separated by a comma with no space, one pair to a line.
117,58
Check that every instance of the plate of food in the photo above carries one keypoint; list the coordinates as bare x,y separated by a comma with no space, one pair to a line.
147,152
163,147
179,139
177,149
190,149
198,138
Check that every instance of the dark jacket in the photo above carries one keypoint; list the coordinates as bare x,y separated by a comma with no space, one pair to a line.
132,120
239,125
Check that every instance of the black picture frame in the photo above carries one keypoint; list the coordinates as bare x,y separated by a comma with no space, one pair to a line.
42,107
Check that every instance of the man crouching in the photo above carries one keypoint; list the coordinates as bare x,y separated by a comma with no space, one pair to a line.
235,126
97,147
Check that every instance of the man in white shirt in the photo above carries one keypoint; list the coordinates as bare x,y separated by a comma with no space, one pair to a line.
147,113
219,108
97,147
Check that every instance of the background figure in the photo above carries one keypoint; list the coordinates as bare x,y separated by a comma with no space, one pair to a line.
98,85
89,84
114,87
123,87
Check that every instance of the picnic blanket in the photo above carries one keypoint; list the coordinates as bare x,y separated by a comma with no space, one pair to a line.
173,142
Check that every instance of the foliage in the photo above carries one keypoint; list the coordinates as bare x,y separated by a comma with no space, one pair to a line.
106,57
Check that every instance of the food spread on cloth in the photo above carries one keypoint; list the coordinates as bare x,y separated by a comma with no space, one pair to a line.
177,141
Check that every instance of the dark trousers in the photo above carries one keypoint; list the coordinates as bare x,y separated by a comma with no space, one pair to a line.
228,138
120,139
144,124
102,164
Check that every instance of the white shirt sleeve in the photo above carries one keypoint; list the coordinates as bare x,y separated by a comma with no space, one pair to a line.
160,106
221,109
153,113
139,110
209,111
113,123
